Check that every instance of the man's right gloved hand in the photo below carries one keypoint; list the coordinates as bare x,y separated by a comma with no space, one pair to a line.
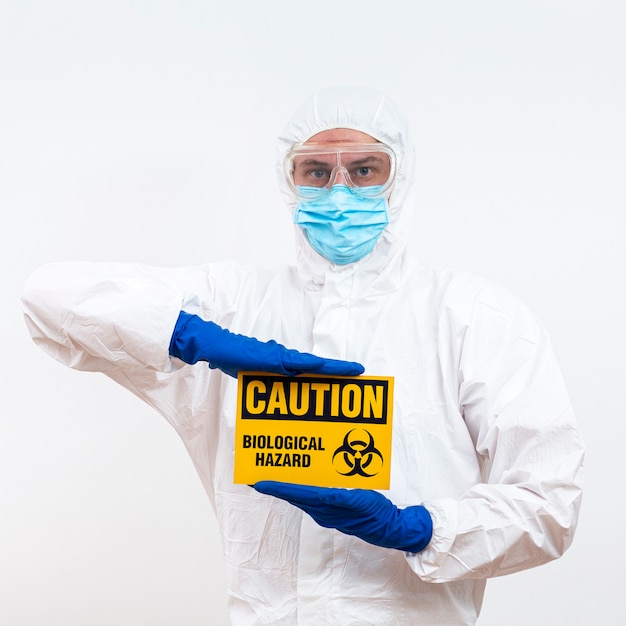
195,340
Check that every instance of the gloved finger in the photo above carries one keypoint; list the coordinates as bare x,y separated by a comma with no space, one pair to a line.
294,362
356,499
301,362
336,367
300,495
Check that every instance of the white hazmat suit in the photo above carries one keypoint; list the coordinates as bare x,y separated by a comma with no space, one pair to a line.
483,431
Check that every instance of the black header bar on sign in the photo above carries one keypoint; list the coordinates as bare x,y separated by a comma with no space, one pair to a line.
328,399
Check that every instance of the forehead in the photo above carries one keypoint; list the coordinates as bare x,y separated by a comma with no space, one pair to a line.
334,135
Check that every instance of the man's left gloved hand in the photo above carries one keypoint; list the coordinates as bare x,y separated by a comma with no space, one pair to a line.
195,339
360,512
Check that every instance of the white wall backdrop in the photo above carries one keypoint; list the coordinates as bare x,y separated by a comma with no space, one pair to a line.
143,130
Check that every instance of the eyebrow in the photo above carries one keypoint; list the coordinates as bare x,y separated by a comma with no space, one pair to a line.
307,162
367,159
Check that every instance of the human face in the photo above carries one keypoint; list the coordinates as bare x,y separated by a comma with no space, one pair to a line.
340,156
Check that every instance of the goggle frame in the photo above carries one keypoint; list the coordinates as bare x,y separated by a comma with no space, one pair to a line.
304,149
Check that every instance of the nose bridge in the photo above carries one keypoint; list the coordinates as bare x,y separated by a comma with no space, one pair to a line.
340,176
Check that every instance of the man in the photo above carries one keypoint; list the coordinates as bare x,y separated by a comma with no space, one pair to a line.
486,457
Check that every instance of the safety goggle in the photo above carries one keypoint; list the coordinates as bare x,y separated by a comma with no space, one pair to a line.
368,169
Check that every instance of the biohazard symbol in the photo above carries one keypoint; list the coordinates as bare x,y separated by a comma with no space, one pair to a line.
358,455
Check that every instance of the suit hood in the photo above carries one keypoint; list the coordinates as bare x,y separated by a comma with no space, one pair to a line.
371,112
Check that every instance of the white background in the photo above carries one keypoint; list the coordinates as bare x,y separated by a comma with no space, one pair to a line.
143,131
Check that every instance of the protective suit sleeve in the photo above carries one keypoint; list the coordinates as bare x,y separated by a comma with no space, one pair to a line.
363,513
516,408
103,316
195,339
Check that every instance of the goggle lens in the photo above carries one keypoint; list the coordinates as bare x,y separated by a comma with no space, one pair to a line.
367,169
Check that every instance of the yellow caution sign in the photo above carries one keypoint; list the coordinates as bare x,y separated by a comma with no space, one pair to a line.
326,431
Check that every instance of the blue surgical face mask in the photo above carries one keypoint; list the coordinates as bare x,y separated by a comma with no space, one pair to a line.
341,226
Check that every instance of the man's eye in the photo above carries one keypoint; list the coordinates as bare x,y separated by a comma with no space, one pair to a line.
319,174
363,171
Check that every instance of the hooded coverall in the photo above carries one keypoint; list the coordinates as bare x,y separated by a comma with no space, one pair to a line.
483,435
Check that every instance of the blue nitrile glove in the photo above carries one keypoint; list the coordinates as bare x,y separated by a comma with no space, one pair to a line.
195,340
360,512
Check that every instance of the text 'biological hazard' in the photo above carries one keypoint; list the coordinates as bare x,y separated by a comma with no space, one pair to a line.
315,430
